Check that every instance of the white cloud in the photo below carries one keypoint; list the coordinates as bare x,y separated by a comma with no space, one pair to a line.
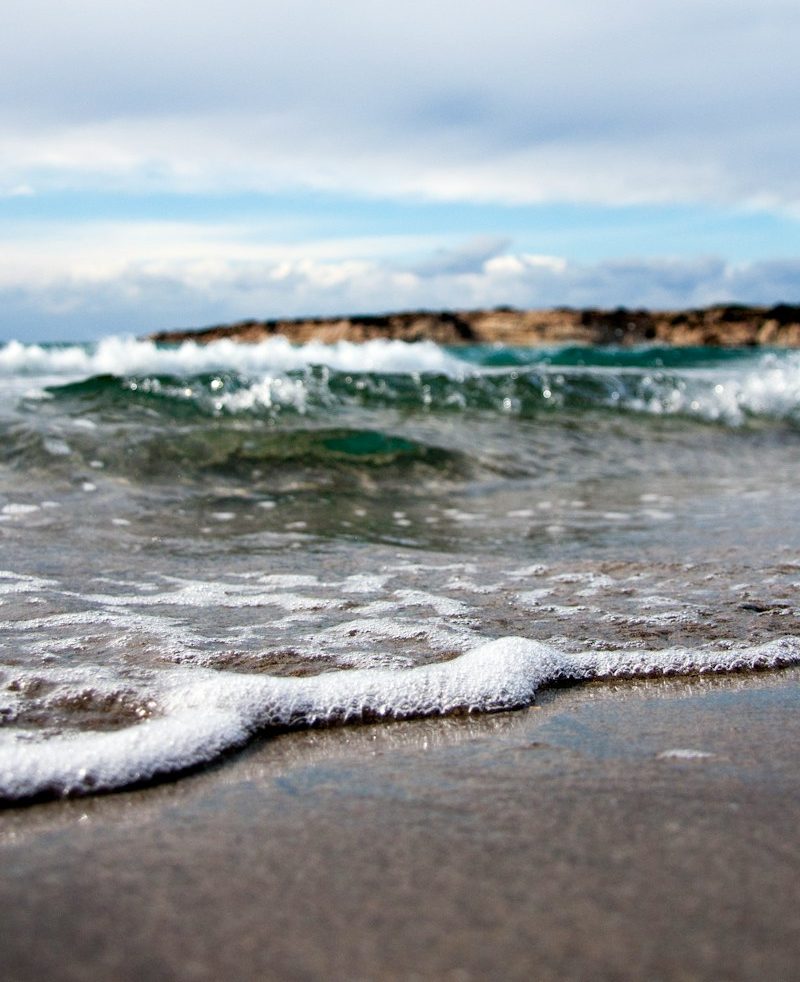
37,254
514,101
17,191
231,152
194,292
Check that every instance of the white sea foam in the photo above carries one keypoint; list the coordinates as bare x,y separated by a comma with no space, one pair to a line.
127,356
444,606
15,509
11,582
201,713
365,582
685,753
534,597
768,387
763,385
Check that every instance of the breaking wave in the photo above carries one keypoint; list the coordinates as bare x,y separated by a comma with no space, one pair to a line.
275,379
128,357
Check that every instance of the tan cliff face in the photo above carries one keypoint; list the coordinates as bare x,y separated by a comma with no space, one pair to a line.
726,326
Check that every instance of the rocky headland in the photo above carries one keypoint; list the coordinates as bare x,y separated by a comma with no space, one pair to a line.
729,325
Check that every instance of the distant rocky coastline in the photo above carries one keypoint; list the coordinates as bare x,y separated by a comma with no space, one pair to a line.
719,326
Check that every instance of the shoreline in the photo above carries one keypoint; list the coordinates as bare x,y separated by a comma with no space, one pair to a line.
613,831
730,325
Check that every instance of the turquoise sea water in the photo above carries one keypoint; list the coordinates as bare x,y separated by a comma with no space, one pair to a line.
178,519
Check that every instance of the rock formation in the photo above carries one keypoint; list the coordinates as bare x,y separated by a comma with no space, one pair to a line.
723,325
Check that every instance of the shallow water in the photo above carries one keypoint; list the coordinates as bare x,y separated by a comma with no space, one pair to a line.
183,528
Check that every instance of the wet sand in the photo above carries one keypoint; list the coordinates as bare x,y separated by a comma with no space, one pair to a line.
614,831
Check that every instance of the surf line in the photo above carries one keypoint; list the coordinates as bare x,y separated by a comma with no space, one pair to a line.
203,713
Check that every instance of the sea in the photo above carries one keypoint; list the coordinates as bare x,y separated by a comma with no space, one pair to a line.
202,545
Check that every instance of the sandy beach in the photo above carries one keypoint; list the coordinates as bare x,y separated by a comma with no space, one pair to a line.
613,831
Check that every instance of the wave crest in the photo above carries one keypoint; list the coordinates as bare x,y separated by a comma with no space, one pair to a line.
275,378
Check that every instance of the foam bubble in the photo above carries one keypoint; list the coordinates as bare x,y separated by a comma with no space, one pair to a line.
770,388
202,713
15,508
684,753
365,582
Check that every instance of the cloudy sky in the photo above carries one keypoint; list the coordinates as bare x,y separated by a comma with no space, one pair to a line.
179,163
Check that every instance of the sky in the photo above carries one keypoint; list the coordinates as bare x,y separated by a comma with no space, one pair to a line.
178,164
